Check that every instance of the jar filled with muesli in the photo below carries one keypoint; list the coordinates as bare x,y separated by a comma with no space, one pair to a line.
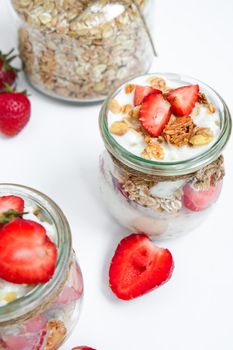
78,50
41,284
162,170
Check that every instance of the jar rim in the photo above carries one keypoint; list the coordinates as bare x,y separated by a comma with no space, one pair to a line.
26,304
181,167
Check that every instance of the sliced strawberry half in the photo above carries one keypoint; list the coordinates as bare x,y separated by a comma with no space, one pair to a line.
139,266
183,99
154,113
27,255
11,207
200,200
141,92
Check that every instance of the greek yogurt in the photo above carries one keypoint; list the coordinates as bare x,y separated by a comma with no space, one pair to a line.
134,141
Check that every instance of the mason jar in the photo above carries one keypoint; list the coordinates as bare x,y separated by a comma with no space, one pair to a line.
79,50
45,316
164,199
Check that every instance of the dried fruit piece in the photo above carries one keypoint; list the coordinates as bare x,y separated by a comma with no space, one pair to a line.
154,114
119,128
138,266
114,106
183,99
201,137
179,131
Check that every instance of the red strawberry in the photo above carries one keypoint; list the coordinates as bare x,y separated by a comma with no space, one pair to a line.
10,208
83,348
141,92
154,114
8,73
15,111
139,266
200,200
183,99
27,255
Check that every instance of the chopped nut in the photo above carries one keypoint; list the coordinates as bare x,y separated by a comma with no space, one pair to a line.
119,128
10,296
134,113
115,107
202,98
211,108
153,151
202,136
126,109
157,82
129,88
56,331
179,131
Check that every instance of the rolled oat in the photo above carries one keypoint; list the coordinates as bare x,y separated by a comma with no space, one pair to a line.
80,50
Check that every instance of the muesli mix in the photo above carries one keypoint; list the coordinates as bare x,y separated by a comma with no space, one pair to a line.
80,50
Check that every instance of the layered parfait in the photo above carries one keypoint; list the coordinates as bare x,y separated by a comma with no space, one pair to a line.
158,129
38,308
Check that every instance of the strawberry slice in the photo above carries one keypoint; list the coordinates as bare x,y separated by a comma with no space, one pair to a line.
10,208
139,266
141,92
27,255
83,348
183,99
30,335
154,113
200,200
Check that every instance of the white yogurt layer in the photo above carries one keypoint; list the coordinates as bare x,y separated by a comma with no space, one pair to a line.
10,291
134,143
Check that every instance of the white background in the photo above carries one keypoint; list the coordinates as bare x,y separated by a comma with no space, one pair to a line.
57,153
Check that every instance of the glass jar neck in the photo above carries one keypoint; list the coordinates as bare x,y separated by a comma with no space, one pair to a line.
183,167
35,301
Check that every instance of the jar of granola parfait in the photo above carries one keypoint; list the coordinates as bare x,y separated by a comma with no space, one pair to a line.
41,284
78,50
163,167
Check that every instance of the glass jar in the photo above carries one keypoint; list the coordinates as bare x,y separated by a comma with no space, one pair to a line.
79,50
44,317
154,196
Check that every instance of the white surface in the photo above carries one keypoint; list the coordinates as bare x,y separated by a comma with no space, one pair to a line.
58,152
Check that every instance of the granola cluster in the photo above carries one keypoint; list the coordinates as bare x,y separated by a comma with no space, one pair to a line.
80,50
138,185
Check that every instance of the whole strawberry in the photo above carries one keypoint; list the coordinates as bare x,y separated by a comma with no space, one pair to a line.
15,111
8,73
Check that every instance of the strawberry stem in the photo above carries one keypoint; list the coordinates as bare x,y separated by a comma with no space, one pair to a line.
10,215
